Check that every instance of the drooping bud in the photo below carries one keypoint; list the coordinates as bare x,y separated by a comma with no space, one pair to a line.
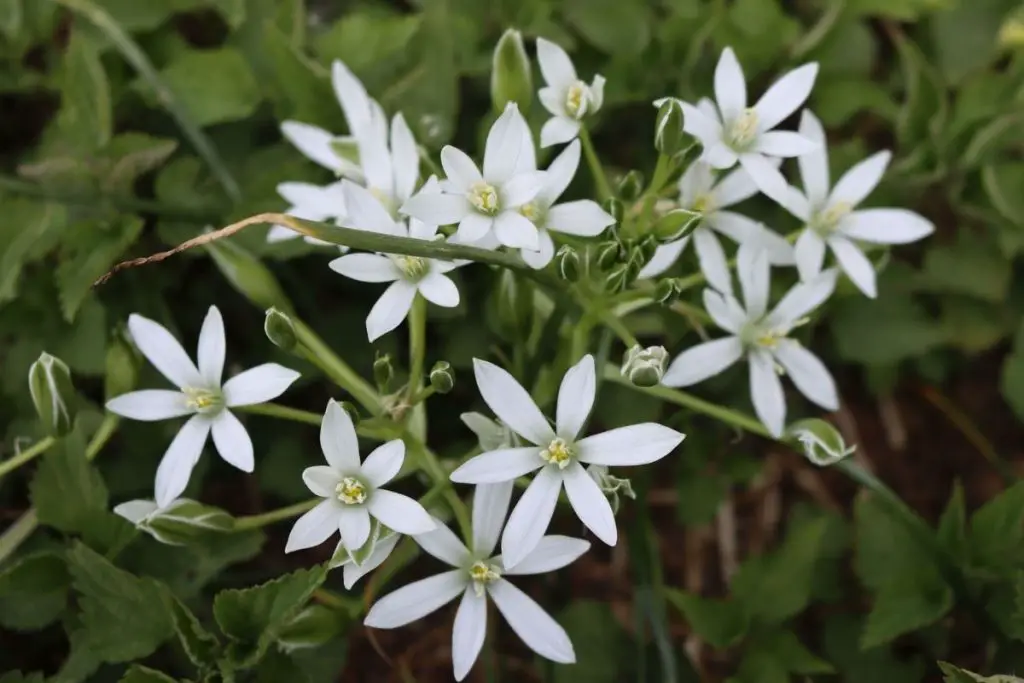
279,329
383,373
510,72
666,291
675,225
181,522
352,411
614,488
822,443
568,261
644,367
121,367
53,394
613,206
631,186
442,377
668,130
608,254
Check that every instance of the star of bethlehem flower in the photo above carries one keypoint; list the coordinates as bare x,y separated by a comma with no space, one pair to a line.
557,455
761,336
309,202
831,219
738,133
477,575
351,490
201,394
700,191
489,201
565,96
408,275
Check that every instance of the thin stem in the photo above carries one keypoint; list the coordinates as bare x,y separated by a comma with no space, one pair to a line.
281,514
102,436
417,344
432,466
37,449
283,412
317,352
661,172
604,191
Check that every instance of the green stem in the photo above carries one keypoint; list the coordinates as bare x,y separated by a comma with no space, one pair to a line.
317,352
283,412
432,466
102,435
661,172
604,191
417,344
264,519
37,449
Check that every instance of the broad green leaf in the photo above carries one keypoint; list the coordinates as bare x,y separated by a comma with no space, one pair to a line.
67,489
1001,182
902,606
214,85
19,677
600,643
301,87
722,623
974,267
363,39
123,617
85,120
92,258
142,674
964,36
997,531
838,99
312,627
885,551
925,107
759,30
201,646
278,666
28,225
850,49
783,650
33,591
904,10
974,326
132,15
878,664
130,155
953,674
611,26
11,19
885,330
81,662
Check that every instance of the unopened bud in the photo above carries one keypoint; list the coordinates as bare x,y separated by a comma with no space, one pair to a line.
352,411
614,488
668,130
647,245
608,254
666,291
644,367
181,522
635,262
568,261
279,329
121,367
383,373
510,72
442,377
676,224
631,186
53,394
617,279
614,208
822,443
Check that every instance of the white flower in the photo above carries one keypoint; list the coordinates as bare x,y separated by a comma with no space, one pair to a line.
830,218
478,574
761,337
480,202
391,169
352,570
558,454
352,490
202,395
740,133
408,275
309,202
699,192
567,97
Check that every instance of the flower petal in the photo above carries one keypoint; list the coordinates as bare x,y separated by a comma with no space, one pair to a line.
401,513
514,230
416,600
814,165
810,254
531,623
182,455
637,444
473,228
589,503
724,310
232,441
701,126
212,346
784,143
162,350
352,96
521,188
558,129
695,182
383,463
390,310
755,278
542,257
498,466
855,264
733,189
583,217
719,156
555,65
803,298
705,360
511,403
766,176
503,146
490,507
404,157
352,572
886,226
258,385
766,392
314,143
354,524
551,554
150,405
314,527
437,208
712,259
363,211
665,255
439,289
443,544
576,398
730,86
553,100
338,440
468,632
312,202
808,373
366,267
785,96
459,168
321,480
560,173
857,183
135,510
530,517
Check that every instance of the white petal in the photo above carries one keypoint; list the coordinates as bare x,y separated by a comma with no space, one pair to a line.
696,181
353,98
542,257
163,351
212,346
417,600
338,440
855,264
258,385
498,466
755,278
531,623
390,310
583,217
705,360
444,545
314,527
701,126
383,463
459,168
363,211
439,289
530,517
558,129
576,398
733,189
182,455
553,99
321,480
503,146
808,373
473,228
232,441
150,405
857,183
375,158
886,226
730,86
401,513
354,524
768,178
490,506
597,92
814,173
766,392
810,254
555,65
437,208
712,259
366,267
561,172
637,444
664,257
719,155
352,572
421,231
780,251
589,503
404,157
724,310
704,106
803,298
135,510
784,143
313,142
280,233
468,632
551,554
312,202
797,204
511,403
785,96
521,188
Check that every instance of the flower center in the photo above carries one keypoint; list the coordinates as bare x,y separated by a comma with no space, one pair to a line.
205,401
483,197
351,491
559,452
825,222
703,203
482,574
766,336
533,212
412,267
743,129
577,100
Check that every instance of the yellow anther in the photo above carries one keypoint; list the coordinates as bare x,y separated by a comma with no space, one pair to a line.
577,100
743,129
483,197
351,491
558,452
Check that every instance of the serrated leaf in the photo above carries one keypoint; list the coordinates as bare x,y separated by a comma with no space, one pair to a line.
81,267
722,623
201,646
904,606
66,487
885,552
780,651
215,85
954,674
878,665
33,591
123,617
85,120
312,627
28,226
130,155
142,674
997,531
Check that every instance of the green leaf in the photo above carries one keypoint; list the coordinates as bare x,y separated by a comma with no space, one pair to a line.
885,551
722,623
952,531
364,39
18,677
67,489
878,664
85,120
973,266
904,606
123,617
142,674
599,640
33,591
974,326
997,531
885,330
302,88
925,106
1001,180
953,674
140,16
622,29
129,156
92,258
838,99
964,36
779,651
11,18
28,229
1012,382
214,85
905,10
201,646
312,627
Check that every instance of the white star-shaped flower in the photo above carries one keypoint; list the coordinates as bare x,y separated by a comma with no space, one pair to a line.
408,275
479,574
558,453
565,96
482,202
740,133
700,191
352,492
202,395
830,217
762,337
309,202
383,542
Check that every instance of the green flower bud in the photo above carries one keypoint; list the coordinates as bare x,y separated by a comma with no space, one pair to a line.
279,329
121,372
614,488
179,523
822,443
675,225
53,394
614,208
442,377
568,261
631,186
666,291
352,411
383,373
511,79
608,254
647,246
644,367
617,279
668,130
635,262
